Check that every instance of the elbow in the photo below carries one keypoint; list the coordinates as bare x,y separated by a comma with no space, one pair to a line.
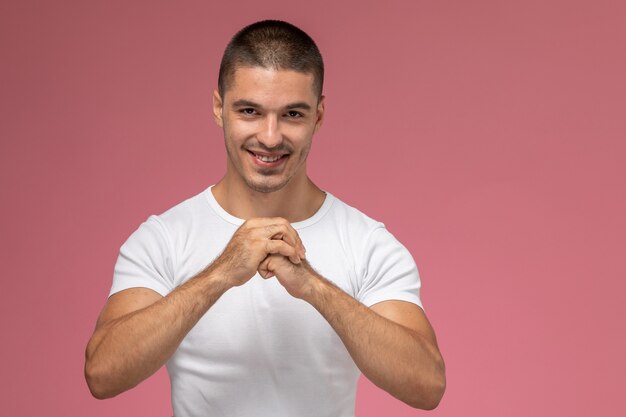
95,387
98,378
96,381
98,393
429,395
430,398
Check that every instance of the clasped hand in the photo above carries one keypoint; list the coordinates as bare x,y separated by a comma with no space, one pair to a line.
270,246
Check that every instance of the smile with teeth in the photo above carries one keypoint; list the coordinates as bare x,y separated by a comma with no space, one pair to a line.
266,158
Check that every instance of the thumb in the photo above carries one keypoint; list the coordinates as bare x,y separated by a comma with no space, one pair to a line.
264,268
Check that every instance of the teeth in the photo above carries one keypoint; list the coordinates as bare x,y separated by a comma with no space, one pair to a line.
267,158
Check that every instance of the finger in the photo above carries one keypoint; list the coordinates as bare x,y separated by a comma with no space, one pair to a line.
291,236
264,269
283,231
281,247
277,228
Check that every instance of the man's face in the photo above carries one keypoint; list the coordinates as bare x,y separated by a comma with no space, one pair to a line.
269,118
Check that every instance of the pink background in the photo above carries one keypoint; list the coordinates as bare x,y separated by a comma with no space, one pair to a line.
489,136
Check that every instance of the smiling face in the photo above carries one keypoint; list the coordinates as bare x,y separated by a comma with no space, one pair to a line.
269,117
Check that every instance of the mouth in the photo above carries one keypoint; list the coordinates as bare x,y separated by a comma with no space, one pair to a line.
268,160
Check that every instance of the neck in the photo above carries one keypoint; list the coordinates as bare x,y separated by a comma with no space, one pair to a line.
296,201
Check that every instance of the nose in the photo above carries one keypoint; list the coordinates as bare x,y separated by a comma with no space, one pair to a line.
269,133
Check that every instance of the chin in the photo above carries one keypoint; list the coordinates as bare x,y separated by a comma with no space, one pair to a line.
266,187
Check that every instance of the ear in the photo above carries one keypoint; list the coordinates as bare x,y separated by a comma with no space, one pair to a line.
218,107
320,113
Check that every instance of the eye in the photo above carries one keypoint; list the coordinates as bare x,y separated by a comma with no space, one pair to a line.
248,111
294,114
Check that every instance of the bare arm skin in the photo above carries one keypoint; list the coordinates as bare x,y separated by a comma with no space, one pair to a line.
392,342
138,329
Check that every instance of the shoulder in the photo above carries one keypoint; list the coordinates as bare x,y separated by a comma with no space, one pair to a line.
194,206
384,268
367,236
352,228
163,229
184,217
350,218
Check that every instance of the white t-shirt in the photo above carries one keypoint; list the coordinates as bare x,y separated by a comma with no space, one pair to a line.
258,351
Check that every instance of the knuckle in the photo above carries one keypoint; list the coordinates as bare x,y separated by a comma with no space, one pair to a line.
283,229
280,246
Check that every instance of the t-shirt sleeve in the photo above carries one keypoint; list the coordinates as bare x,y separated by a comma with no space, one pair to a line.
145,260
389,271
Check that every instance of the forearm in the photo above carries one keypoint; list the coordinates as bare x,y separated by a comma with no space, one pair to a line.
127,350
395,358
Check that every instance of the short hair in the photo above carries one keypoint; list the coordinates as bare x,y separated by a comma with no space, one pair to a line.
272,44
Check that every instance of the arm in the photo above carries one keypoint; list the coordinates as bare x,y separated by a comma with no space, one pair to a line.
392,343
138,329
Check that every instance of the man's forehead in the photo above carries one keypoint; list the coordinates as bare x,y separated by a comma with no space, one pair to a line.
303,105
248,82
247,70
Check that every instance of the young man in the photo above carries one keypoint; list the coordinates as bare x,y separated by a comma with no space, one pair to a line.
265,295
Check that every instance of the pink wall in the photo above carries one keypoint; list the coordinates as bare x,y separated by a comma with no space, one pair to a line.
489,136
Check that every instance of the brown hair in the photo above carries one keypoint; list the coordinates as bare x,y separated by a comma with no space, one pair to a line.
272,44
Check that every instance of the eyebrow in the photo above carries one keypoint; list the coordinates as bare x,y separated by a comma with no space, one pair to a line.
247,103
